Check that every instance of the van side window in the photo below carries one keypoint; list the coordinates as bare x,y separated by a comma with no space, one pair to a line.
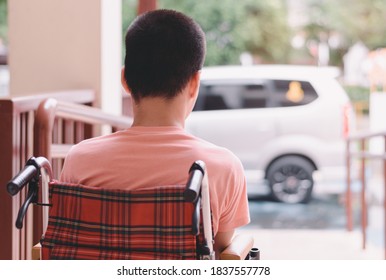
292,93
260,94
255,96
231,96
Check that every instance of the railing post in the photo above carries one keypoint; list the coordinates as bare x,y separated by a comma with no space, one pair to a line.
363,194
9,239
384,195
348,188
363,156
44,122
146,5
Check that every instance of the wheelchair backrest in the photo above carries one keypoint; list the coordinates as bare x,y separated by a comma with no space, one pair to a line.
96,223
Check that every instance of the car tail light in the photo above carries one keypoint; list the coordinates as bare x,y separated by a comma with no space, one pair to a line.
347,111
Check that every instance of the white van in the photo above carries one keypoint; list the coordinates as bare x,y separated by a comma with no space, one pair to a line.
286,123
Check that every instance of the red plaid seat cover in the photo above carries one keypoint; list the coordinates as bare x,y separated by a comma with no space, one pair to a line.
94,223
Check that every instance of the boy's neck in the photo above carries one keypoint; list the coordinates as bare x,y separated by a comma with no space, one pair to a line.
155,111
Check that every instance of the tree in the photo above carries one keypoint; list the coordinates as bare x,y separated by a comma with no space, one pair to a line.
3,20
220,21
129,12
347,22
234,27
265,30
257,27
362,20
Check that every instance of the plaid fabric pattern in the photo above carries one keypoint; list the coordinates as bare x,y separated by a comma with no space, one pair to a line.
93,223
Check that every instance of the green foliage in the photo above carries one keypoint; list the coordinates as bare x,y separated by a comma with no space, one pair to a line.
351,21
260,27
357,93
359,21
265,30
359,97
3,20
129,12
220,21
231,28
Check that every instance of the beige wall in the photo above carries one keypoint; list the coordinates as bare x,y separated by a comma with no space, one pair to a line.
63,44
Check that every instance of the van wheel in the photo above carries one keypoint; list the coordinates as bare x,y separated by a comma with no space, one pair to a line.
290,179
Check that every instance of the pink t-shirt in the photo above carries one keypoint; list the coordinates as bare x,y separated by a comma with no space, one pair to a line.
145,157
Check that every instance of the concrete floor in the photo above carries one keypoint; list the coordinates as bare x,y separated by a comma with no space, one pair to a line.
298,244
314,231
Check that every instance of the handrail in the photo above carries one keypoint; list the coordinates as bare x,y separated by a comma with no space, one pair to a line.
28,103
90,115
50,109
363,154
365,134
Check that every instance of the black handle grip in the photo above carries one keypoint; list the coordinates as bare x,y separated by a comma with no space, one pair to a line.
21,179
196,218
23,209
193,186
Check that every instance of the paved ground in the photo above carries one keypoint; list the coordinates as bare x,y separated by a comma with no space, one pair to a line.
314,231
297,244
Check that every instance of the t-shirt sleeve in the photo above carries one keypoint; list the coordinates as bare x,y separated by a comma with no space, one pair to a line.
236,210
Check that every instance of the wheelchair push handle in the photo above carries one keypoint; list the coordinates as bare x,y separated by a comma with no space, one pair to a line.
30,171
193,186
30,175
21,179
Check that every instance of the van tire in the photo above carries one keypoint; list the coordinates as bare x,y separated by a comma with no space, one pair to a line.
290,179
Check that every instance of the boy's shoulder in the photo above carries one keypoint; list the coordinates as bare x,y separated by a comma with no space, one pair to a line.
218,155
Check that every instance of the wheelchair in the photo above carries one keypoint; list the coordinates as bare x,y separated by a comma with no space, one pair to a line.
83,222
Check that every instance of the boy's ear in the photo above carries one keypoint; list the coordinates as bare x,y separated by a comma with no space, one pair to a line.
195,84
123,81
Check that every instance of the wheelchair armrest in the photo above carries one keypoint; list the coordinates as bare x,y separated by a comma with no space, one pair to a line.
238,249
36,252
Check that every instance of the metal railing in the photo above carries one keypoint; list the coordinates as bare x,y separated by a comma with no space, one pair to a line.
364,156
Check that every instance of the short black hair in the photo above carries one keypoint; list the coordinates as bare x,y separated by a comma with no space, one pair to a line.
164,48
